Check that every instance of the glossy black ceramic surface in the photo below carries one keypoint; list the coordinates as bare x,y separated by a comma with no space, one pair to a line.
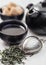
10,39
4,17
36,21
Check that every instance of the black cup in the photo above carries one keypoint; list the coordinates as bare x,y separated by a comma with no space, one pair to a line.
10,39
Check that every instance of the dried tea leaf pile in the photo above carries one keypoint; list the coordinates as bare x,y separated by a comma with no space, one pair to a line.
11,55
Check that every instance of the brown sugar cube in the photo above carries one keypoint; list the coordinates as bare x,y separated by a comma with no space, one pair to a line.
10,5
19,10
5,11
13,11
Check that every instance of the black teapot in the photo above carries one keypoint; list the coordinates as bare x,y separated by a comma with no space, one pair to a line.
36,18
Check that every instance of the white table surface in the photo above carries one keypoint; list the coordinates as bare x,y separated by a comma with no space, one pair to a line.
39,58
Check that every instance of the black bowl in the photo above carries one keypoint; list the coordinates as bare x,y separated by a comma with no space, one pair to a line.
5,17
12,39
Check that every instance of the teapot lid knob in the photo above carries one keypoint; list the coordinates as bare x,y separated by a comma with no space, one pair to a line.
29,6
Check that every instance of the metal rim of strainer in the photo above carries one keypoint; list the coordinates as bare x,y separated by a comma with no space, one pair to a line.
37,39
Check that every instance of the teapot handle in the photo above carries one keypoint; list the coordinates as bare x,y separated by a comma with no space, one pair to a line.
43,3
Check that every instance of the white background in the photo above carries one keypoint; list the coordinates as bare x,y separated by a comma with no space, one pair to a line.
39,58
